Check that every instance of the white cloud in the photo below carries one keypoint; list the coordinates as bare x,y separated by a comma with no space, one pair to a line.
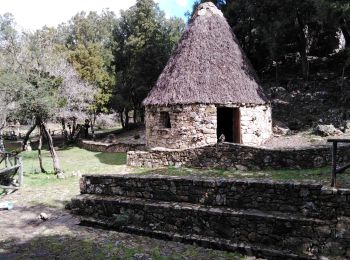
182,3
34,14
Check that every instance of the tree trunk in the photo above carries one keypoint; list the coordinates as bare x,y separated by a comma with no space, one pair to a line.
26,137
302,43
2,147
39,149
74,127
345,30
142,115
93,121
135,115
55,159
64,130
126,118
122,119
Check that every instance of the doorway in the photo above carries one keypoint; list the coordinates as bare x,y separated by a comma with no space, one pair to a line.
229,124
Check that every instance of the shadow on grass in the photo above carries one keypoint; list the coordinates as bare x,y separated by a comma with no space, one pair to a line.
93,246
112,158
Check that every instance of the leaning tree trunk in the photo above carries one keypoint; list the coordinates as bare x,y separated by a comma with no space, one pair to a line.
55,159
26,137
39,149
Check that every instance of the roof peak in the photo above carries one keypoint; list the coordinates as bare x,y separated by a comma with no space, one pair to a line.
207,9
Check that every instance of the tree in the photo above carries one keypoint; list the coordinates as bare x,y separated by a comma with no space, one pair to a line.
143,41
271,30
87,38
41,79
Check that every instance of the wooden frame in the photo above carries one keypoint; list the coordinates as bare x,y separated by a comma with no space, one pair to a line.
237,136
14,165
341,169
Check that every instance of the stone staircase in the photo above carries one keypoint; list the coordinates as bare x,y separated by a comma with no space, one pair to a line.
274,220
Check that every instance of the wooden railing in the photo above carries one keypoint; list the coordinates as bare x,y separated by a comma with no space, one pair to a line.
341,169
13,165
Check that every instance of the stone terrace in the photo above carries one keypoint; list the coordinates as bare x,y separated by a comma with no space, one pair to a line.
263,218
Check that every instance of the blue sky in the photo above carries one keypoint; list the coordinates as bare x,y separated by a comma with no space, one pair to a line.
176,7
34,14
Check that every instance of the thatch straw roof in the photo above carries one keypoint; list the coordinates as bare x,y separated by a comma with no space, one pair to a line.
207,67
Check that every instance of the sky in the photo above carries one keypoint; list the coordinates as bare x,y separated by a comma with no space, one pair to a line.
34,14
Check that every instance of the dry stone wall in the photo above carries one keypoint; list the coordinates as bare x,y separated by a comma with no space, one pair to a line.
110,148
272,220
242,157
196,125
256,124
307,199
191,126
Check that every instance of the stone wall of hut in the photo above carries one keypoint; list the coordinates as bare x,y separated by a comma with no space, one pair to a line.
256,124
194,126
191,126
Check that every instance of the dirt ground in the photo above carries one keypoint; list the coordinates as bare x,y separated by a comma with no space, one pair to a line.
294,140
24,235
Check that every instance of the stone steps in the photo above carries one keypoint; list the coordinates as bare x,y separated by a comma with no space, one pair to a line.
276,220
255,229
310,200
209,242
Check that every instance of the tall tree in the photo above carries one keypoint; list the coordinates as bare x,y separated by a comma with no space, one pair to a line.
144,40
88,40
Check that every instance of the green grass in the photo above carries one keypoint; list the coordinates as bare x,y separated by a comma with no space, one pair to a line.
45,188
75,160
321,175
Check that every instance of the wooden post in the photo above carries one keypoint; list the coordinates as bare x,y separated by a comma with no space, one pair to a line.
20,172
334,164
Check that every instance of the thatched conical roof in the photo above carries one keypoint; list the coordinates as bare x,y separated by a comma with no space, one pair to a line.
207,67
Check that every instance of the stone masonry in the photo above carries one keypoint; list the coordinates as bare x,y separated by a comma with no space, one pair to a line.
273,220
242,157
191,126
196,125
256,124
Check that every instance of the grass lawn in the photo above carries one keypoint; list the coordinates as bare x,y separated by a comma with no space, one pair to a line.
320,175
75,160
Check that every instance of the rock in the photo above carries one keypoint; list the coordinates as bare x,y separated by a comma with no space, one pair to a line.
220,199
318,161
241,167
60,175
326,130
140,257
43,216
27,147
281,130
347,127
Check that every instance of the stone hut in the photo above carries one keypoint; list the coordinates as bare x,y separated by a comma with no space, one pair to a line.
207,89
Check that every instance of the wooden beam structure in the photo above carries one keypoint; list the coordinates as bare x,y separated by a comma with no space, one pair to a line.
341,169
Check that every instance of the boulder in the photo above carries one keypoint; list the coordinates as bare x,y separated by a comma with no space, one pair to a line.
326,130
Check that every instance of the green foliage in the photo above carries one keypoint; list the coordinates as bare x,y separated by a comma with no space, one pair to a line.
144,40
274,32
88,41
40,98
